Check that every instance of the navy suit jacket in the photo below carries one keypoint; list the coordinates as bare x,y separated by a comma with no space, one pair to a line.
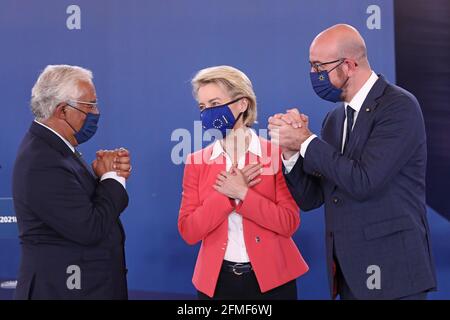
66,217
374,194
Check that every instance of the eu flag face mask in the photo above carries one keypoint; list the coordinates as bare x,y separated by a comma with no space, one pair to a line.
89,128
219,117
322,85
324,88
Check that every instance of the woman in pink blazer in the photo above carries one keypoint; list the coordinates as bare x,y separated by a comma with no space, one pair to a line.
235,199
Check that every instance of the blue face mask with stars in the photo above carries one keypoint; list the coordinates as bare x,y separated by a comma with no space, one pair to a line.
322,85
219,117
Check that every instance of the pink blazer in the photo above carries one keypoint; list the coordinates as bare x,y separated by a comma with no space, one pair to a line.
270,217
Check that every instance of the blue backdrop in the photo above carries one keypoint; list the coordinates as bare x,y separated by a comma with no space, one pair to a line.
143,54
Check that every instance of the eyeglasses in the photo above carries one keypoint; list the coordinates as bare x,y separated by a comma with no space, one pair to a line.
88,104
318,66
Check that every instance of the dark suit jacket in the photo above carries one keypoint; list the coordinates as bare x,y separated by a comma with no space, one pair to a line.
66,217
374,194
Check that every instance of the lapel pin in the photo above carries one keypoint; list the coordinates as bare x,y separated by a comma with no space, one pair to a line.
367,109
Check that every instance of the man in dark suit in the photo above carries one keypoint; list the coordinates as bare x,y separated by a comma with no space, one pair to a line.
71,237
368,169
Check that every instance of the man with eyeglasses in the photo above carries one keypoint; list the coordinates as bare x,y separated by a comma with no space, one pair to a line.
71,237
367,169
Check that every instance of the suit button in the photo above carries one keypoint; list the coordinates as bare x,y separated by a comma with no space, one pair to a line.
257,239
335,200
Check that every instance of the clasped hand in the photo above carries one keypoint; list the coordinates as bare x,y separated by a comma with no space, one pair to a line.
289,131
117,160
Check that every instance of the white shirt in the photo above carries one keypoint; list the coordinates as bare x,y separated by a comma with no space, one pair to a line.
107,175
356,104
236,250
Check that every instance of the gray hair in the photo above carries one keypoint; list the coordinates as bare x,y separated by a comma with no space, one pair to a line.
56,84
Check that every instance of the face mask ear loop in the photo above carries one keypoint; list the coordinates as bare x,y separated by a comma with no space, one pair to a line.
344,83
335,68
65,120
70,126
240,114
237,119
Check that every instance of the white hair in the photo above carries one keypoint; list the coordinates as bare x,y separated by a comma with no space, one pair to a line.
56,84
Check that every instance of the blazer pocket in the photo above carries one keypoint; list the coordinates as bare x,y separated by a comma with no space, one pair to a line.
388,227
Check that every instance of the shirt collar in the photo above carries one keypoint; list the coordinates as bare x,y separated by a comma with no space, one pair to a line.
254,146
361,95
60,136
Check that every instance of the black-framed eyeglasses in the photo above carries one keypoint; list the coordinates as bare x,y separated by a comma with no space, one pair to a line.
318,66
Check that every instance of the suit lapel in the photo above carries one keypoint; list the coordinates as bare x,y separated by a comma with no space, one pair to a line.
365,116
361,126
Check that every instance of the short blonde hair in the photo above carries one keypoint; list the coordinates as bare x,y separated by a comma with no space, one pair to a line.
234,81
